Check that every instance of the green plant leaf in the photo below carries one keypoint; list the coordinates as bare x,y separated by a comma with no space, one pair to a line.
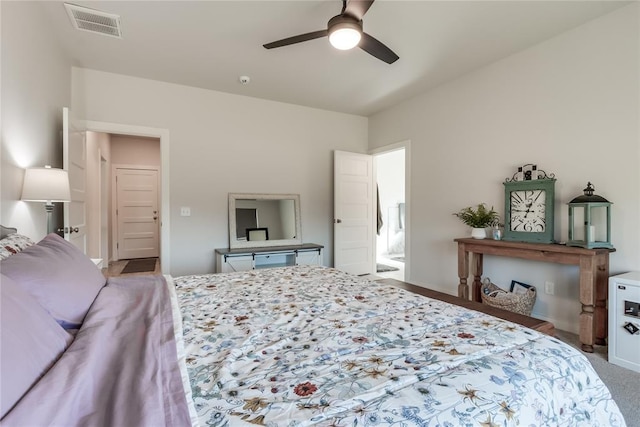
480,217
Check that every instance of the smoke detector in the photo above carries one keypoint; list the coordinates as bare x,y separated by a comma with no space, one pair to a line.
94,21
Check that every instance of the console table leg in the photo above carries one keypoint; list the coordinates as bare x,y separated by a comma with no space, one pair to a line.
587,299
602,293
463,288
477,276
586,328
463,272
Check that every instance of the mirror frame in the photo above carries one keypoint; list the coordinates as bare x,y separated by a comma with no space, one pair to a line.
234,243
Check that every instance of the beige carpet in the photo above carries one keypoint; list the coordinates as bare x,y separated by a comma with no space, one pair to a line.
621,382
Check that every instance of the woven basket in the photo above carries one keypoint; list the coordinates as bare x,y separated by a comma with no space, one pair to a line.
496,297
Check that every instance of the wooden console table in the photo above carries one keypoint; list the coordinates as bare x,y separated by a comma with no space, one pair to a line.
594,276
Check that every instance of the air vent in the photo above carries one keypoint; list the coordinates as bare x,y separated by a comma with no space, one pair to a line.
94,21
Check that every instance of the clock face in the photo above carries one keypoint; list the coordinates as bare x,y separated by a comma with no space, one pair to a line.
528,211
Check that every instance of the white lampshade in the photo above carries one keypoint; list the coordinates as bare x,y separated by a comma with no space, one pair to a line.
46,185
345,38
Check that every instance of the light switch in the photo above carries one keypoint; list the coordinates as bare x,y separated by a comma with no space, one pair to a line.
185,211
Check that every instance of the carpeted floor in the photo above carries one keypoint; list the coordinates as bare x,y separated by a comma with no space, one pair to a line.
140,265
621,382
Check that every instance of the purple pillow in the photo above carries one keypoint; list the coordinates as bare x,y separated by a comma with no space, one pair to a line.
30,342
59,276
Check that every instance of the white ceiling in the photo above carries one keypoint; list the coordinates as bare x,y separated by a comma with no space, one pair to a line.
209,44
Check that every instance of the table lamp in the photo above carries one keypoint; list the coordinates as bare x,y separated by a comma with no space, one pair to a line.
46,185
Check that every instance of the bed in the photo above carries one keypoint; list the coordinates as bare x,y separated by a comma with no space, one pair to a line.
288,346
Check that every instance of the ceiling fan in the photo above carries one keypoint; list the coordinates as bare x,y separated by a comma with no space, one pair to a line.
345,32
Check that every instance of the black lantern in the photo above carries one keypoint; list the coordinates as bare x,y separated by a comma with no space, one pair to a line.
590,220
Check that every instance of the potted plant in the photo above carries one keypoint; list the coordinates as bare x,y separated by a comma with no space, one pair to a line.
478,219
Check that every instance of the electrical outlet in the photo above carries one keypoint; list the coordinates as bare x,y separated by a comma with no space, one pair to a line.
185,211
549,288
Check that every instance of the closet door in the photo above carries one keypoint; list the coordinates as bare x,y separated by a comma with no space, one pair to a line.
137,213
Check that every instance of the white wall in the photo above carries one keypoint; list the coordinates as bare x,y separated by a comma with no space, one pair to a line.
36,84
222,143
569,105
135,150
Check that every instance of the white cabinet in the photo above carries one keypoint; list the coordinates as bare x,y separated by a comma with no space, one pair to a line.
624,320
309,257
235,263
229,260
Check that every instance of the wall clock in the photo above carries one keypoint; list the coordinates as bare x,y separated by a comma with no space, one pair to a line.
529,206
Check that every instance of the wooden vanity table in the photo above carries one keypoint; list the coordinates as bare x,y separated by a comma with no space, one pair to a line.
594,276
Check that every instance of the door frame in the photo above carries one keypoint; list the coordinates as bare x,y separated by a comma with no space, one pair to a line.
72,126
114,201
165,207
406,144
104,196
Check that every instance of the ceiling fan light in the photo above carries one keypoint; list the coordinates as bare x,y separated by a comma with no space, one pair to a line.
345,38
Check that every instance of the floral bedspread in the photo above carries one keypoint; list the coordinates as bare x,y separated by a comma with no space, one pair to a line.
314,346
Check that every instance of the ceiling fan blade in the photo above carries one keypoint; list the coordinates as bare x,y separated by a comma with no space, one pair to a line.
376,48
357,8
297,39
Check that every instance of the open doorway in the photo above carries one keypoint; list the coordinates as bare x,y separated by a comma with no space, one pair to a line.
124,227
161,136
392,225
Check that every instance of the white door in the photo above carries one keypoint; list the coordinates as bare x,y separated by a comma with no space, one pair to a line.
74,154
354,221
137,213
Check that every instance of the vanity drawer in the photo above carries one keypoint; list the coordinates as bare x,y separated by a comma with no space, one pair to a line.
230,260
274,260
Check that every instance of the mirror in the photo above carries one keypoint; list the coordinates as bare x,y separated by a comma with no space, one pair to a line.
263,220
